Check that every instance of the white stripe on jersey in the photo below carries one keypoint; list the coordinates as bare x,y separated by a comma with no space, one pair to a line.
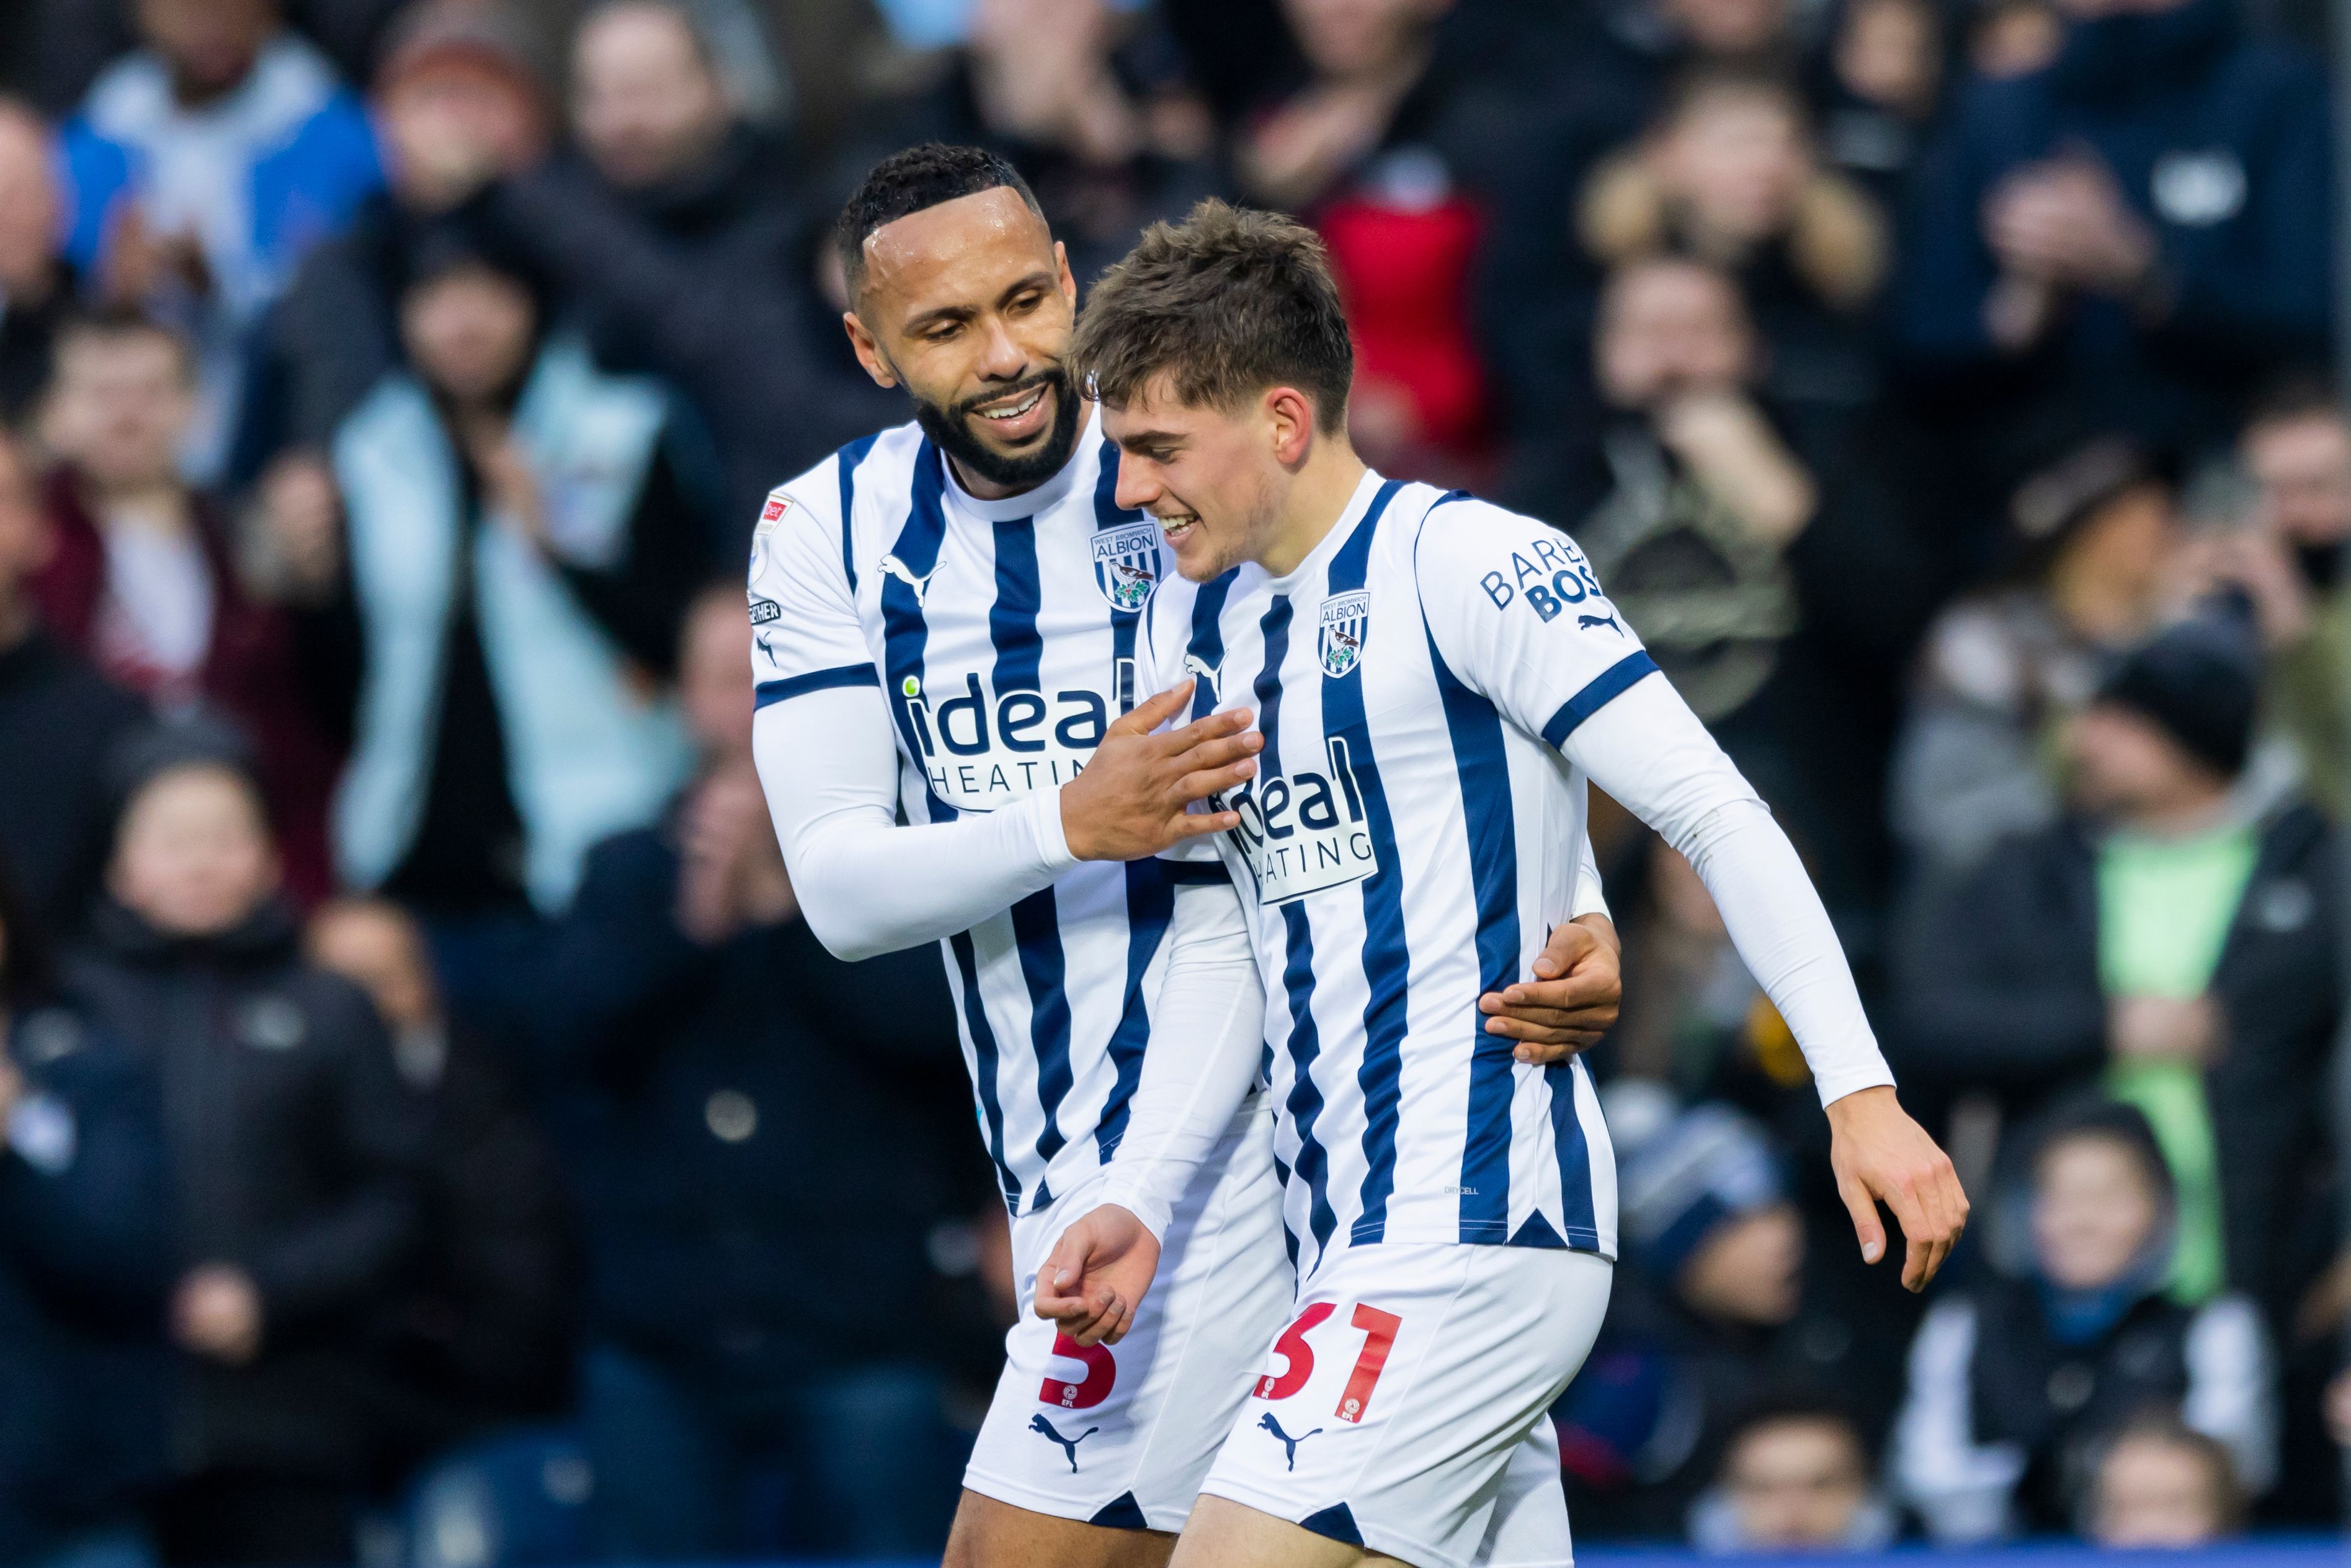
1003,634
1411,838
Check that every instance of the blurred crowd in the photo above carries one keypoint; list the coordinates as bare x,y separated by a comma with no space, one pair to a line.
432,1138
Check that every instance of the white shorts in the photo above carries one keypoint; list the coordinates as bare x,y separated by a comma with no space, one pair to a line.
1406,1408
1122,1435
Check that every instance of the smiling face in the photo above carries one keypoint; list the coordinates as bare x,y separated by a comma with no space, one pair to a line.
969,305
1214,480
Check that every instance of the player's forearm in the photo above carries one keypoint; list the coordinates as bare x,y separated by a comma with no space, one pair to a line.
1208,1036
1650,752
867,884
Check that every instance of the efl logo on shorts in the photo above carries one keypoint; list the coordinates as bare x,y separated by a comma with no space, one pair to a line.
1346,622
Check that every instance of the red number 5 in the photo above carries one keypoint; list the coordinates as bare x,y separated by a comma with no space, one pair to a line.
1298,1356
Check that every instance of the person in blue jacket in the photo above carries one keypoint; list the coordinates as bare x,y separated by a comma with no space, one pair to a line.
202,167
2140,233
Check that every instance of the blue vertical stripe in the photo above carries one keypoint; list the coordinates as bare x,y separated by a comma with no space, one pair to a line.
1206,643
1150,906
1574,1152
1484,770
1387,961
1012,619
1273,629
1305,1103
983,1079
905,636
847,462
1035,919
1305,1042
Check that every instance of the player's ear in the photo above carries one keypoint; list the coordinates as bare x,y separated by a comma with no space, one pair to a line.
1069,279
869,353
1289,423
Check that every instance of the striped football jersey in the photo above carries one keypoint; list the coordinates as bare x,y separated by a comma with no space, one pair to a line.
1411,838
1004,635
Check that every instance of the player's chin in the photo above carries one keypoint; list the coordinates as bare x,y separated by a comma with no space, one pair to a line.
1196,557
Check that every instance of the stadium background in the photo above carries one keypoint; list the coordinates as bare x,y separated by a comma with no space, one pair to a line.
1944,387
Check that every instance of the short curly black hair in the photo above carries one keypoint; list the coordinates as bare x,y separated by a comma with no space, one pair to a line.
914,181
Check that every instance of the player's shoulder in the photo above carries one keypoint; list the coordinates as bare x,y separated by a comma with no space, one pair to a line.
1461,537
827,488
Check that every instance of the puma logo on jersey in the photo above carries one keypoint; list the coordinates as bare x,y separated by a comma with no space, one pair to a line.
1586,623
1289,1444
891,565
1210,676
1044,1429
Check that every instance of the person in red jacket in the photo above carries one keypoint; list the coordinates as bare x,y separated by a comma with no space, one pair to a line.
142,582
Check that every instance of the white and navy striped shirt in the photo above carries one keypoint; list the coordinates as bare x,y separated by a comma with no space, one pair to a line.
1412,837
1003,634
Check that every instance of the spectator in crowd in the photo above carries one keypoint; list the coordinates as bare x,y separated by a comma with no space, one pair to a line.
1691,466
60,720
519,537
84,1268
1097,121
2160,1484
457,101
1767,580
1594,96
738,1116
686,247
294,1152
2131,228
37,286
1880,90
1715,1253
2012,38
143,579
1796,1476
2096,535
2014,1384
204,165
1729,173
2288,557
485,1339
2166,941
1387,145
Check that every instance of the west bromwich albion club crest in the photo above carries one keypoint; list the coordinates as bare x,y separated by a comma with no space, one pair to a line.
1346,622
1126,564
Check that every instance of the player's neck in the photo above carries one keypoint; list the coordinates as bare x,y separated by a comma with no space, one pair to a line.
1317,498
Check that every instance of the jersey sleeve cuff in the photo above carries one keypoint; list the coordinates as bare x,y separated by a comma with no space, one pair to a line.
770,693
1598,692
1125,1186
1873,1074
1052,842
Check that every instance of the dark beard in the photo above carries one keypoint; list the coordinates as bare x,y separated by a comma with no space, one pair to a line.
950,430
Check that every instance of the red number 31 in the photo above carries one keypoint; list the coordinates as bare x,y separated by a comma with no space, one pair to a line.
1379,1337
